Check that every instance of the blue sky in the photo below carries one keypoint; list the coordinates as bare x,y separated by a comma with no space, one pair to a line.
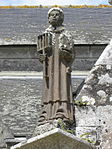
52,2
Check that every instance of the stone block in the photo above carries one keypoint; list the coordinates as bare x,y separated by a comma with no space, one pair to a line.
18,51
83,64
96,50
85,116
20,65
54,139
82,51
104,118
106,141
87,133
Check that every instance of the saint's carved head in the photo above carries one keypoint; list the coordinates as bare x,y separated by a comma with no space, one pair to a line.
56,17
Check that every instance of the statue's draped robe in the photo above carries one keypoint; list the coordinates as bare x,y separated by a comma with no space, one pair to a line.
57,94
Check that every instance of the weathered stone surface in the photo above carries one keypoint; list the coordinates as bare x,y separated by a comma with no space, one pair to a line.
88,118
21,26
5,133
24,57
106,141
20,65
94,102
20,104
83,64
106,56
58,123
93,121
45,128
89,134
19,93
104,118
18,52
54,139
20,98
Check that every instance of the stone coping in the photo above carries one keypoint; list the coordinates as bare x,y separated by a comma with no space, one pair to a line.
35,73
57,132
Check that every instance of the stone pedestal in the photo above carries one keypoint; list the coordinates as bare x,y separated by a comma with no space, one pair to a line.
54,139
53,125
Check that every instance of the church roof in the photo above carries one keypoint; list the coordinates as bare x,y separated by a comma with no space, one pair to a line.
87,25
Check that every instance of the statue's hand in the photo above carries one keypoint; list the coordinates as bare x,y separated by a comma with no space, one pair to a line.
66,55
42,57
63,53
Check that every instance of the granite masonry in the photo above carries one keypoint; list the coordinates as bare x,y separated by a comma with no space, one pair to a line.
93,105
54,139
19,93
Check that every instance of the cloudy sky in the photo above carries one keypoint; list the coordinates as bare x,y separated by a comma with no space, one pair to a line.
52,2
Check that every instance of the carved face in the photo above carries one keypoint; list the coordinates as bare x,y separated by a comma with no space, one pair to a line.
56,18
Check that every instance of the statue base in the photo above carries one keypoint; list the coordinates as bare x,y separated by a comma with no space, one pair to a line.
68,127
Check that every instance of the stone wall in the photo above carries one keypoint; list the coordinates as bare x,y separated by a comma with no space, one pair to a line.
20,104
20,100
93,109
24,57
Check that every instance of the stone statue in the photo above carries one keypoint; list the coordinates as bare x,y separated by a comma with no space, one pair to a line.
55,48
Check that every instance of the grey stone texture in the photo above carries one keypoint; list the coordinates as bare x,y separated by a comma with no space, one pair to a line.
5,133
57,123
20,104
94,102
19,58
107,141
25,57
21,26
20,99
54,139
